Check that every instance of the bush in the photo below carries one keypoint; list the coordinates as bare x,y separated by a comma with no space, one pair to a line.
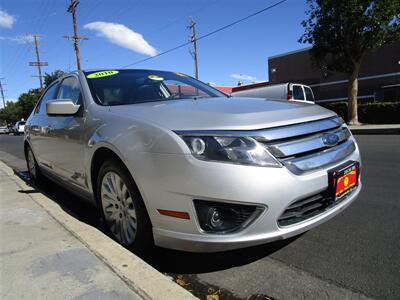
370,113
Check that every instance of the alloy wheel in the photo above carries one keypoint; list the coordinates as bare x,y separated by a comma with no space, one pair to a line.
118,207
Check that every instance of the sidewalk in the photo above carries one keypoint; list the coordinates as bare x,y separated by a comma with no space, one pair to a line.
39,259
47,254
376,129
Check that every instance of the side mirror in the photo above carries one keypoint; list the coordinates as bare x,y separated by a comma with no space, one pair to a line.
62,107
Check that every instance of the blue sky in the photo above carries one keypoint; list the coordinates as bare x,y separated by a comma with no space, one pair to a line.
241,49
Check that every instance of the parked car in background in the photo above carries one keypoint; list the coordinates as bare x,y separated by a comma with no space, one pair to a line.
19,128
4,130
284,91
170,160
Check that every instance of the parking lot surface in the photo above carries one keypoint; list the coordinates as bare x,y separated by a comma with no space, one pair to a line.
356,251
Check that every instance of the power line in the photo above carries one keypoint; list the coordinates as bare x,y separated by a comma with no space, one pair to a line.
23,49
177,20
44,17
123,8
159,29
92,9
45,11
208,34
75,37
34,24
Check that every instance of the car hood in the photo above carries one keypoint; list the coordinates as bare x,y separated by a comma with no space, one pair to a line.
223,113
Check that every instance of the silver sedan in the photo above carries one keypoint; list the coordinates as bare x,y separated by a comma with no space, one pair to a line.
170,160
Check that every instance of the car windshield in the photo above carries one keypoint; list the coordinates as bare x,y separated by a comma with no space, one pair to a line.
121,87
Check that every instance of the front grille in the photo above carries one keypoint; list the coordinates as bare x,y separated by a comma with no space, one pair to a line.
301,147
307,208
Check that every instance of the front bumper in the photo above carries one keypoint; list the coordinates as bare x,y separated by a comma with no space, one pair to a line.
173,181
216,243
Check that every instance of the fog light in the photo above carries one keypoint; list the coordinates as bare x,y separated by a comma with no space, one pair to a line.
214,217
221,219
225,217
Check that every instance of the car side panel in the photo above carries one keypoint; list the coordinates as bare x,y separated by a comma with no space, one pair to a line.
65,147
38,136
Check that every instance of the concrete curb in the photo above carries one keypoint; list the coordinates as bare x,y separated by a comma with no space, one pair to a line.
139,276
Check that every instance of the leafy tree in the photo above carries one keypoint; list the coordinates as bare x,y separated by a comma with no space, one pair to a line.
15,111
10,113
342,32
27,101
49,78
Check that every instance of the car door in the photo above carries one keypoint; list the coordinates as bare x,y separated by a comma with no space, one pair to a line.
67,136
38,127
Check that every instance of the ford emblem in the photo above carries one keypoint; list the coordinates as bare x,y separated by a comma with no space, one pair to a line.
330,139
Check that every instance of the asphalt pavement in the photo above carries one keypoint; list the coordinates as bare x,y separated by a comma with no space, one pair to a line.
357,251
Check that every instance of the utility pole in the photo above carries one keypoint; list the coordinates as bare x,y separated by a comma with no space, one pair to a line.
75,37
193,39
38,63
2,93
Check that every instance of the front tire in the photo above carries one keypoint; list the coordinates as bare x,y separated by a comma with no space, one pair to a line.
122,207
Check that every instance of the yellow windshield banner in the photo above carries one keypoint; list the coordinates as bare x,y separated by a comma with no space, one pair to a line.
155,77
102,74
181,74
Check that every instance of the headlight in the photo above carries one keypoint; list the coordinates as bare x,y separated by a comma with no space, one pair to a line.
237,150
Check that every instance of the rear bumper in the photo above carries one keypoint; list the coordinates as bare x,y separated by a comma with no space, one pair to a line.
209,243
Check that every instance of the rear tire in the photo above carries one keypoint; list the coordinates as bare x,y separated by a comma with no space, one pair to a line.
122,207
35,174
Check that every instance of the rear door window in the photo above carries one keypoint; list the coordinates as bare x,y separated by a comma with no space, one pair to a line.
309,93
298,93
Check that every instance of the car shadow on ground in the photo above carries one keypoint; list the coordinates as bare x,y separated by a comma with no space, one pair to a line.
172,261
164,260
70,203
